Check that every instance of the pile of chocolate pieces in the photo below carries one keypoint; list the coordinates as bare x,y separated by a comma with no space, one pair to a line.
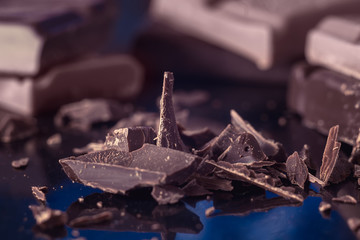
178,163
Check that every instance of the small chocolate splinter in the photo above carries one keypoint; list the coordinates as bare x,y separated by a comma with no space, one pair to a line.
39,193
345,199
296,170
331,154
20,163
168,134
355,154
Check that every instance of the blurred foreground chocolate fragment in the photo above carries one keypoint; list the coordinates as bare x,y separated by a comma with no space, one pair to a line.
168,133
355,153
267,34
130,139
345,199
325,98
324,209
354,225
20,163
334,44
47,218
37,34
117,77
15,127
84,114
296,170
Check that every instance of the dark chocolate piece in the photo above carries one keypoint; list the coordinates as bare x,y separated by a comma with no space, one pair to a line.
296,170
97,218
264,33
54,140
314,179
136,119
345,199
38,34
356,170
47,218
331,155
168,133
121,78
355,153
261,180
305,156
269,147
130,139
84,114
313,90
197,138
20,163
15,127
334,44
166,194
177,165
324,209
39,193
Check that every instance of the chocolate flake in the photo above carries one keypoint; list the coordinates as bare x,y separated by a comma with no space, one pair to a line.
296,170
20,163
47,218
54,140
249,176
269,147
168,134
345,199
324,209
82,221
39,193
130,139
331,155
15,127
167,194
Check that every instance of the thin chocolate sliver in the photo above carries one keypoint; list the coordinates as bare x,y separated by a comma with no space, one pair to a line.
296,170
355,153
39,193
345,199
20,163
331,155
168,133
324,209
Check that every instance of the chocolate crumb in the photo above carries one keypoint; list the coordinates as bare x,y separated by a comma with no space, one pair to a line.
324,209
345,199
39,193
54,140
47,218
21,163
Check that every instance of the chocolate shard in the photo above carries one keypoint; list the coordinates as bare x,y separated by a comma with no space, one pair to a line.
296,170
130,139
168,134
197,138
54,140
312,90
15,127
355,153
97,218
193,189
324,209
334,44
177,165
166,194
269,147
345,199
47,218
243,149
260,180
330,155
214,183
314,179
84,114
39,193
305,156
20,163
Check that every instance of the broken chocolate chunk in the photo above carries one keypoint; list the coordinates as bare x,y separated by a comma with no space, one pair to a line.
269,147
39,193
15,127
20,163
296,170
54,140
197,138
331,155
82,221
167,194
47,218
130,139
324,209
84,114
168,133
345,199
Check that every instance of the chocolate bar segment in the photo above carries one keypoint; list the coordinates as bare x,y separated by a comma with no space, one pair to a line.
265,32
325,98
335,44
35,35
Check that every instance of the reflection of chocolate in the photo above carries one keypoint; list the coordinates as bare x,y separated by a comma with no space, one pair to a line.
132,214
312,90
39,193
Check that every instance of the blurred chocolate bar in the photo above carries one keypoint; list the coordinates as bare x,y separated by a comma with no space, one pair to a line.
325,98
36,34
335,44
266,32
117,77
